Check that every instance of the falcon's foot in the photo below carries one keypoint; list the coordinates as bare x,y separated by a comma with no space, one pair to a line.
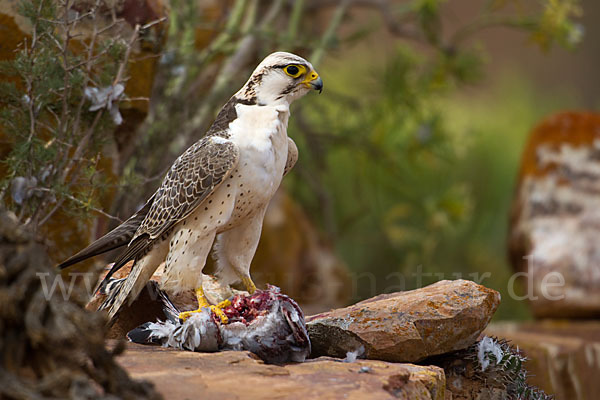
218,310
203,303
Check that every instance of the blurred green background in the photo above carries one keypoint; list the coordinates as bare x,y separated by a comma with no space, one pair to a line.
414,172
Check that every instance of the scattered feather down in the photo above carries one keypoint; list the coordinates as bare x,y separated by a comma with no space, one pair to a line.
352,356
268,323
486,347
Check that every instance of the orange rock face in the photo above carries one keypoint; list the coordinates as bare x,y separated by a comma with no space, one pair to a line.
555,221
407,326
238,375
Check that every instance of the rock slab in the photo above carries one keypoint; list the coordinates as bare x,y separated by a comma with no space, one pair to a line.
406,326
238,375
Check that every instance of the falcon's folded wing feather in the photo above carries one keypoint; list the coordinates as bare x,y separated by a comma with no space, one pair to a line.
192,178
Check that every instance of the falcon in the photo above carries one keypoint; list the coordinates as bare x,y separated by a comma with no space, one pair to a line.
217,192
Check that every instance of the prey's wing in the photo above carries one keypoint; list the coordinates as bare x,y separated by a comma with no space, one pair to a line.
192,178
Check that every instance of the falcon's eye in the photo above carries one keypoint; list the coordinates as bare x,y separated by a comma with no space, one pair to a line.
294,70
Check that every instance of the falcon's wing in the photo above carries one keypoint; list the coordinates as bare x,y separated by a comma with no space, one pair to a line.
192,178
292,156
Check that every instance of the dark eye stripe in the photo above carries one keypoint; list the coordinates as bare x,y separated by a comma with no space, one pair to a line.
281,66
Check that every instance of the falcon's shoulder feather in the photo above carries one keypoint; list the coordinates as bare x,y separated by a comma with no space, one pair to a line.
191,178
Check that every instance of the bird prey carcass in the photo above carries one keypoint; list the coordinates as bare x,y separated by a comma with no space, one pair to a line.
218,189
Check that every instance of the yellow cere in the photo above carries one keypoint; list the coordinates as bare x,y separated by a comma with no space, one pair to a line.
310,77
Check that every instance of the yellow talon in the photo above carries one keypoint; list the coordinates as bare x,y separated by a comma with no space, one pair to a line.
219,313
203,303
224,304
186,314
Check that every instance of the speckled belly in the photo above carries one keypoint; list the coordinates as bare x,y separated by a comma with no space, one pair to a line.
245,191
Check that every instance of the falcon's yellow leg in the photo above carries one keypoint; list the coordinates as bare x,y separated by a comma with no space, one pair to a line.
250,286
203,303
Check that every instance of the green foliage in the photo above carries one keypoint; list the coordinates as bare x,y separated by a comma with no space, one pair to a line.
55,134
556,24
416,189
412,183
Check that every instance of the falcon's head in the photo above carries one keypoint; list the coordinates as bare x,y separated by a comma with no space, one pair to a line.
281,78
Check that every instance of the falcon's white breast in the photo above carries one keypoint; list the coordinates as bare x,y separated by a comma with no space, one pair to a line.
260,133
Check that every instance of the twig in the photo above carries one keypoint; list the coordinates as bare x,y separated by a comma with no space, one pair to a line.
244,50
329,34
489,21
132,40
152,23
130,99
82,203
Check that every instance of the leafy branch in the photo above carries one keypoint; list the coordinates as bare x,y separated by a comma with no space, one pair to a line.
62,103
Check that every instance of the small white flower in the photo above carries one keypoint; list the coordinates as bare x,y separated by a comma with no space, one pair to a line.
22,188
104,98
576,34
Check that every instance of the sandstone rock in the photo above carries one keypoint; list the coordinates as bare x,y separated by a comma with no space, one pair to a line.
555,220
237,375
564,355
407,326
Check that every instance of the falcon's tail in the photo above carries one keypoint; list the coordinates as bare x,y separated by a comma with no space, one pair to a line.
127,289
119,290
112,288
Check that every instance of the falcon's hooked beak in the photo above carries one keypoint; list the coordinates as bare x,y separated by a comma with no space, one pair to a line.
313,81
